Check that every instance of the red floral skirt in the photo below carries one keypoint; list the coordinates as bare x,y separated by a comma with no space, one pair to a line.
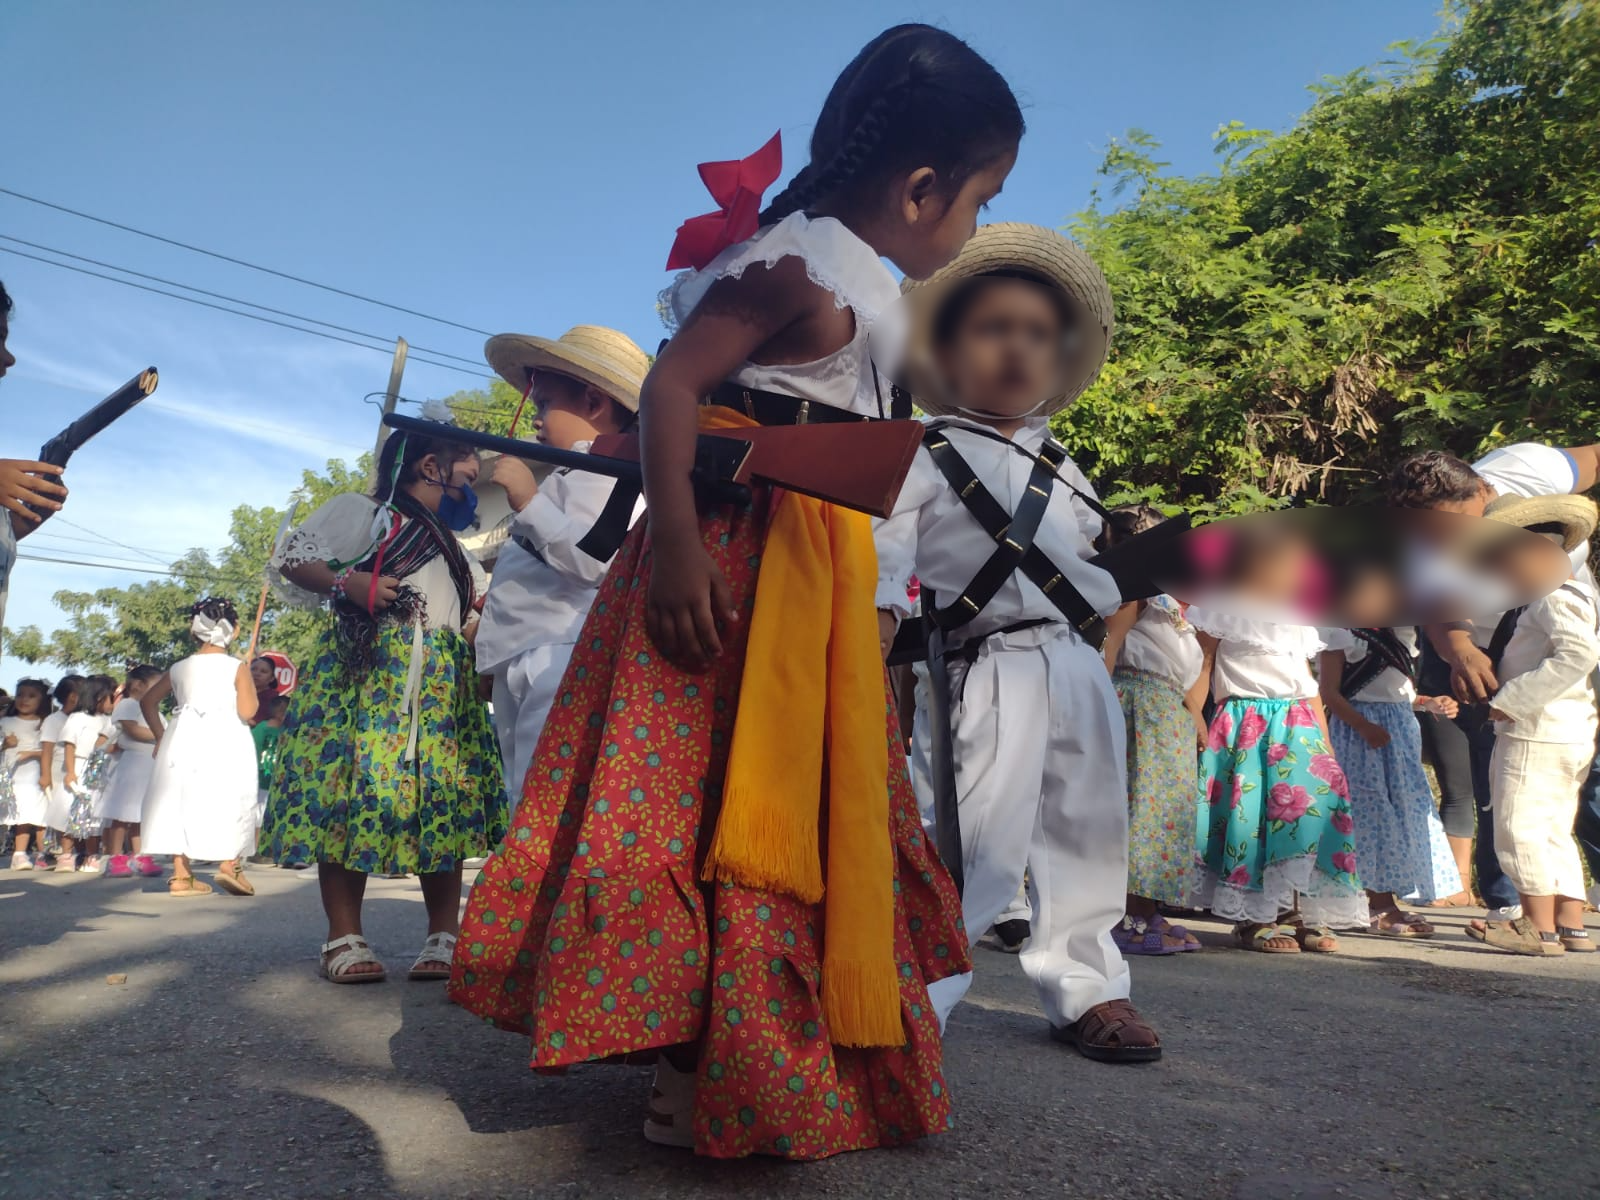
590,931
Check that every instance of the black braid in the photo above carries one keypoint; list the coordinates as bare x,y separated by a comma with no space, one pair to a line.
857,152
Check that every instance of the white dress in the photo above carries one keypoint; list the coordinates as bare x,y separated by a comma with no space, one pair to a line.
123,799
57,799
202,796
29,802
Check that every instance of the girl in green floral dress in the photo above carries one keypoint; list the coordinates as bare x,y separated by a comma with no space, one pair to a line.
387,762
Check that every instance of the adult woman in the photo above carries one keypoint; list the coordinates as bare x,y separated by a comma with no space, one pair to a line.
387,762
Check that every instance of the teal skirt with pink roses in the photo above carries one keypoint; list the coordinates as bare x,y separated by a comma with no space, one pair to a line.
1274,828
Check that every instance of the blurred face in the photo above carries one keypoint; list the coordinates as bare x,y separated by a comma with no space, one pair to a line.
931,226
7,359
1006,354
136,689
262,675
566,412
29,702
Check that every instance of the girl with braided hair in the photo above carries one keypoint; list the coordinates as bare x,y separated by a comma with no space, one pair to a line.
662,890
201,802
387,763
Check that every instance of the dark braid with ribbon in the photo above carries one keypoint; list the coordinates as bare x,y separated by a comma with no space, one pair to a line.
915,96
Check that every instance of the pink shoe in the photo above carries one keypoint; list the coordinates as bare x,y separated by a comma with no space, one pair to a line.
120,867
146,866
66,862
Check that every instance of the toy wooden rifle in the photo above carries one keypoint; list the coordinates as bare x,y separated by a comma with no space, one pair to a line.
71,439
859,465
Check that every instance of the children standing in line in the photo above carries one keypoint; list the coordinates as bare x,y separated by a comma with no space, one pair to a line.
52,771
1545,718
1368,684
122,804
1276,841
1010,333
83,739
23,749
1158,670
687,743
202,797
583,384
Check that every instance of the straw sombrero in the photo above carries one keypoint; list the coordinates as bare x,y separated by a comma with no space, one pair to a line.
1575,515
591,354
1030,251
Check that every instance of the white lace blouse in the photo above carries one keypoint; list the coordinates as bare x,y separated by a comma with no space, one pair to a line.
837,260
1259,658
342,530
1162,642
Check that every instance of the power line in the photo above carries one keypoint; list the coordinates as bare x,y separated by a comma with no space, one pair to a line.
142,552
332,337
214,575
189,287
240,262
50,532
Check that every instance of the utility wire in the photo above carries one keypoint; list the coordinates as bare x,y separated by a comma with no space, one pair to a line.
240,262
142,552
333,337
214,575
189,287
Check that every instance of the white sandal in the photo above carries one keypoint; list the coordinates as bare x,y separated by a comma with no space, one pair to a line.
670,1121
353,952
433,963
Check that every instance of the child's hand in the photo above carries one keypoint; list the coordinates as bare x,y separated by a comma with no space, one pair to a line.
1373,734
23,482
10,742
70,780
888,624
358,587
1201,733
516,478
1439,706
688,602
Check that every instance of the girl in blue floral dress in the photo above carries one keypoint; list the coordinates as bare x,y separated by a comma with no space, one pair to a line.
1276,843
387,762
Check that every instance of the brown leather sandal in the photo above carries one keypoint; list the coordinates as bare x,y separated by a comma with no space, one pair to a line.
1112,1032
187,886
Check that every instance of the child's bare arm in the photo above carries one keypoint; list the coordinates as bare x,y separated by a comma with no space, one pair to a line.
150,706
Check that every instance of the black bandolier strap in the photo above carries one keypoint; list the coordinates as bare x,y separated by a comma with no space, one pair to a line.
1013,535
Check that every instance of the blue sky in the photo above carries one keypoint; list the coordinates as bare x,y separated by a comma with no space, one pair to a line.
508,166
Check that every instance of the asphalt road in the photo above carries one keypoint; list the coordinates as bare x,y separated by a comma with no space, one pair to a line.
223,1067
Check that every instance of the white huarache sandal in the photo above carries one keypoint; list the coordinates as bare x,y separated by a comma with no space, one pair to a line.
353,952
433,964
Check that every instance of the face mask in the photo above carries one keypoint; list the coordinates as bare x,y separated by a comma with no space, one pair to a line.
458,512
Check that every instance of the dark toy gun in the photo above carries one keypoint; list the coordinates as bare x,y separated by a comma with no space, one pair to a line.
71,439
859,465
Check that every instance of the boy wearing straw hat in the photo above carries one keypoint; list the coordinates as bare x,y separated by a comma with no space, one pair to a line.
998,525
1545,720
582,385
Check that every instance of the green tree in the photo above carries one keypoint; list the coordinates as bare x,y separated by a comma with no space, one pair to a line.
1413,264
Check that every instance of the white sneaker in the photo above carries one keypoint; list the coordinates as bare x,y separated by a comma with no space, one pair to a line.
671,1115
1511,912
21,861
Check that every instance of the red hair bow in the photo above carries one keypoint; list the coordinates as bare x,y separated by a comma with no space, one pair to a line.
736,187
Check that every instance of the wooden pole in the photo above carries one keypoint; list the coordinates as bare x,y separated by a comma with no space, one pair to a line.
391,395
266,582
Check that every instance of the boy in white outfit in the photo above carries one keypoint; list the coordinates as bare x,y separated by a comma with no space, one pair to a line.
997,524
582,385
1545,718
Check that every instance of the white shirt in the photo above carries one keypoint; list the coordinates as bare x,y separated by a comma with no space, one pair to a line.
1529,469
83,730
1163,643
932,535
127,712
1259,658
1389,686
1547,671
25,730
541,603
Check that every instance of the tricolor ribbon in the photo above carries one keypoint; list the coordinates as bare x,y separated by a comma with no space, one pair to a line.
737,187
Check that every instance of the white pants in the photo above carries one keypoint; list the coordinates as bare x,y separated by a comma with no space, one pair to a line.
524,690
1041,772
1534,786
